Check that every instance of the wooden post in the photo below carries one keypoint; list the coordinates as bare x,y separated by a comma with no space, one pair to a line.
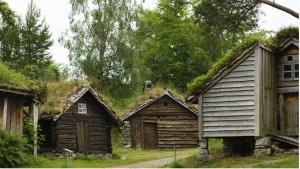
34,115
4,115
200,119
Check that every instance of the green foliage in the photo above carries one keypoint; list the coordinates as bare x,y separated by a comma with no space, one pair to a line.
171,44
12,149
286,32
227,60
9,34
240,16
100,45
11,78
31,135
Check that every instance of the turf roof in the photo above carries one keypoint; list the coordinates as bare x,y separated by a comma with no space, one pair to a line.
62,95
11,79
198,83
151,95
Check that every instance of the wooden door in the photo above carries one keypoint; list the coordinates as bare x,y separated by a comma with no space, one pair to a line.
82,136
291,114
150,135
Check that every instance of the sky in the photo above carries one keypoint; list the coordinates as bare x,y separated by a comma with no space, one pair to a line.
56,15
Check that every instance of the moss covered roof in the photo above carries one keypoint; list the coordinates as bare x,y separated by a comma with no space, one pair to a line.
61,96
152,95
198,83
14,82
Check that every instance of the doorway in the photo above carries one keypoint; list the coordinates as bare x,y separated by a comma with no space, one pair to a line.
291,113
150,135
82,136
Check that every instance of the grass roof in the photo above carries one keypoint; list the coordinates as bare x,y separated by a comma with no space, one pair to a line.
13,79
199,82
57,95
155,92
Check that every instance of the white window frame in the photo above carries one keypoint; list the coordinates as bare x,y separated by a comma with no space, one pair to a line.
291,71
82,108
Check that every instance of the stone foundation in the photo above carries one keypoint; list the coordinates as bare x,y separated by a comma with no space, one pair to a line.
125,136
262,146
203,151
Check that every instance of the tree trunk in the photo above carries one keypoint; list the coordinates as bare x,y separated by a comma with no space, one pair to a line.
280,7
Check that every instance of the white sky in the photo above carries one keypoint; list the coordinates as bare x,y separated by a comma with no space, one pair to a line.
56,13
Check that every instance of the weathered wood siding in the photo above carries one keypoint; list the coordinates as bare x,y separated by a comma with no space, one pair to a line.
228,106
14,112
85,133
265,92
287,98
176,125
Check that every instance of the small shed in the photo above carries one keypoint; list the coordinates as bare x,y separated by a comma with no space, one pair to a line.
78,120
16,100
162,121
12,103
254,96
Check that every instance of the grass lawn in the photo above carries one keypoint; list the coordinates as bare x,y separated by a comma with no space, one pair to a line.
124,157
285,160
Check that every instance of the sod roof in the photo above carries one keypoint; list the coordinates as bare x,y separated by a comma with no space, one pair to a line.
201,81
14,82
61,96
151,96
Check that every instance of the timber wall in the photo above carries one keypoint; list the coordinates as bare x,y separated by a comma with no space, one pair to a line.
228,106
85,133
176,125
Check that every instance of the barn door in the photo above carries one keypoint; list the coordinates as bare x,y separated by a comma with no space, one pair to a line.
83,136
291,114
150,135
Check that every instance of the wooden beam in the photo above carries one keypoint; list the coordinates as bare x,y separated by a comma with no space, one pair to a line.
281,113
288,90
200,119
258,91
4,115
34,115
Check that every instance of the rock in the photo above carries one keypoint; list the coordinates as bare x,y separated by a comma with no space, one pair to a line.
265,141
295,151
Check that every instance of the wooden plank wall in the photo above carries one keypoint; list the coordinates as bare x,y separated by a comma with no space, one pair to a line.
268,91
176,125
98,127
228,106
1,109
285,88
14,116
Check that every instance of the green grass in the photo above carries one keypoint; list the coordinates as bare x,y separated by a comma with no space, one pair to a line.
127,156
286,160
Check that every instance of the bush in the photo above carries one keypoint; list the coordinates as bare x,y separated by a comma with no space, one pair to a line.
30,134
12,149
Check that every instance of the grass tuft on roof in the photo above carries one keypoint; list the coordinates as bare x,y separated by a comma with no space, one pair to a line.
154,92
199,82
57,95
11,78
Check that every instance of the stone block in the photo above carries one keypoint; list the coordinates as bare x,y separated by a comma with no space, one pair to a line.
265,141
203,151
261,152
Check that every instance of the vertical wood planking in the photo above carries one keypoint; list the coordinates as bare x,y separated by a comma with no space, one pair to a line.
257,91
4,115
200,118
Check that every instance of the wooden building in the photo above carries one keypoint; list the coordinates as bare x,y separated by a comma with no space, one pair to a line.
255,96
163,121
12,103
81,121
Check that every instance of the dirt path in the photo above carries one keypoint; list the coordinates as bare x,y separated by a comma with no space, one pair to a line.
153,163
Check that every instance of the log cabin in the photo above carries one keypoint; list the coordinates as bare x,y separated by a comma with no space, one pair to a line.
75,117
162,121
253,97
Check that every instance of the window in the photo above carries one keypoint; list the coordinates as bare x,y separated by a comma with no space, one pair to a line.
290,58
291,71
287,71
82,108
296,70
165,104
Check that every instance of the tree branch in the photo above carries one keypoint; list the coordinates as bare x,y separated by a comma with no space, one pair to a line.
280,7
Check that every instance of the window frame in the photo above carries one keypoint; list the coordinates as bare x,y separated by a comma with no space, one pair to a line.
292,71
81,107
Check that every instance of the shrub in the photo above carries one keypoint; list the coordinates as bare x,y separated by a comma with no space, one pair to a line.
30,134
12,149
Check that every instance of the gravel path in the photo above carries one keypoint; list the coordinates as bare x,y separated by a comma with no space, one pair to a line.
153,163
